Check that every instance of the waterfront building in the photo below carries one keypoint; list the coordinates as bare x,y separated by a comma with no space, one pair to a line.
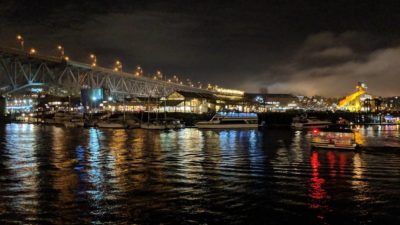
188,102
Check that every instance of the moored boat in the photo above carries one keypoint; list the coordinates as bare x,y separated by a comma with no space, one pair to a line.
171,123
334,137
303,122
227,120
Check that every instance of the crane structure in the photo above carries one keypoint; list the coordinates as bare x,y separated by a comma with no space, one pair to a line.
353,101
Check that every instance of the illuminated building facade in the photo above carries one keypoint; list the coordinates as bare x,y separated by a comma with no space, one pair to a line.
188,102
270,102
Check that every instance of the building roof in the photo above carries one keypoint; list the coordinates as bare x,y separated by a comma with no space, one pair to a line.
269,95
188,94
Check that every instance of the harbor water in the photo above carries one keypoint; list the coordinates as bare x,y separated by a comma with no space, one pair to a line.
55,175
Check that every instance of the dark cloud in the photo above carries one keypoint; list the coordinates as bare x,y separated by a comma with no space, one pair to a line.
237,44
378,68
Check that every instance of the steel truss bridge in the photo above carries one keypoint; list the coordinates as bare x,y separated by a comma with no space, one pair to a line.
20,70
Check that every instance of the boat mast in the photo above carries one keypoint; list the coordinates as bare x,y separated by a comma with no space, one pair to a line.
148,110
165,99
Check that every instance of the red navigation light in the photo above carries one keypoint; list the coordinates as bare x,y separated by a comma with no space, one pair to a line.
315,131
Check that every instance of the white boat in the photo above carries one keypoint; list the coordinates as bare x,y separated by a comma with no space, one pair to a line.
303,122
226,120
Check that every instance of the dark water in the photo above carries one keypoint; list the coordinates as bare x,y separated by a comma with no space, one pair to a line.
53,175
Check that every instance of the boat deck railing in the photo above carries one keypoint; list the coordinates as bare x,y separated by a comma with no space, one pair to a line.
237,115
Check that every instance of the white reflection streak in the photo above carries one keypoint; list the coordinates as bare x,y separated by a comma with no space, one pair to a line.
23,164
95,176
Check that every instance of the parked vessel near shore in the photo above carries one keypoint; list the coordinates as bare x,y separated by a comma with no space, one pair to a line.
303,122
75,122
226,120
66,118
117,122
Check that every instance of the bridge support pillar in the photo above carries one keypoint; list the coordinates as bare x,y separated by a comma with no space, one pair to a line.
2,109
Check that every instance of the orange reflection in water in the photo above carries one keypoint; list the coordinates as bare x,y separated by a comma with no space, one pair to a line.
359,138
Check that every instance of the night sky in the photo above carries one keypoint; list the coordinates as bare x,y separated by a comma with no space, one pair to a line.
300,47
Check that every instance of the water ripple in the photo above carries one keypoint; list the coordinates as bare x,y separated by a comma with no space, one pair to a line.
53,175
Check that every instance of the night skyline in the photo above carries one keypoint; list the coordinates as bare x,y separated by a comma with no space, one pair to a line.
295,47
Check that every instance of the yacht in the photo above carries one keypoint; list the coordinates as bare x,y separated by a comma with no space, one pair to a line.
334,137
224,120
303,122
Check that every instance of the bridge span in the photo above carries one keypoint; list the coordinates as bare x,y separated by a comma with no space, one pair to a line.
21,70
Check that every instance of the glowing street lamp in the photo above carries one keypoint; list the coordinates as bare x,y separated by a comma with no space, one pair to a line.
138,71
94,60
20,40
159,75
32,51
175,79
118,66
66,58
61,50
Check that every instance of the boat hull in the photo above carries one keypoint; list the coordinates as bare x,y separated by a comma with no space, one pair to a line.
310,126
73,124
333,146
111,125
226,126
153,126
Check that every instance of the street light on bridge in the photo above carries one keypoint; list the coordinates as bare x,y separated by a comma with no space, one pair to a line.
118,66
20,40
94,60
61,50
159,75
138,71
175,79
32,51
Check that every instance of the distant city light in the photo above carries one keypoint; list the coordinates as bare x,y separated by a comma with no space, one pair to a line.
230,91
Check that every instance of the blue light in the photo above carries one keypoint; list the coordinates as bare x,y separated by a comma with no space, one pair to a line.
94,98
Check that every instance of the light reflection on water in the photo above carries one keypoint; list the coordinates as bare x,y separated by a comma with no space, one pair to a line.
79,176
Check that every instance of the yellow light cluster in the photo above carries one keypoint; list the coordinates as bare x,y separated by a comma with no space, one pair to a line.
230,91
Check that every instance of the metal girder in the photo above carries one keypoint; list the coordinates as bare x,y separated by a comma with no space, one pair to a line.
19,70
